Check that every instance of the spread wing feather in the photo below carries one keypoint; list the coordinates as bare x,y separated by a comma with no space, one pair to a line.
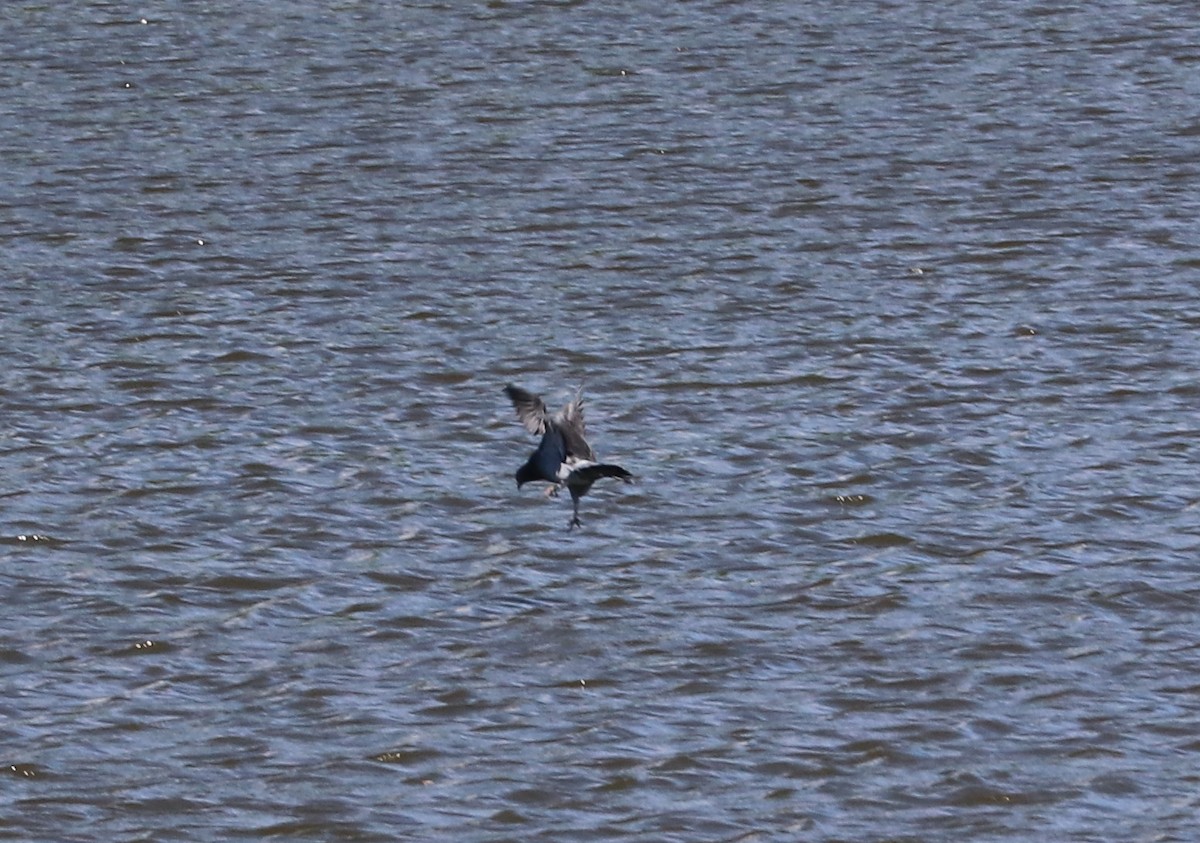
574,429
531,412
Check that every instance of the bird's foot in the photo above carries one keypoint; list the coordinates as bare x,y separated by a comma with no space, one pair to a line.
551,492
575,522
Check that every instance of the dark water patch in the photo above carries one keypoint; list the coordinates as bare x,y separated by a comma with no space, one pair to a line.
24,771
406,756
31,539
236,583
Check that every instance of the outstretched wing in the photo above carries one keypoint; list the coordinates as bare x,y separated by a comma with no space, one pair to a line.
570,421
530,410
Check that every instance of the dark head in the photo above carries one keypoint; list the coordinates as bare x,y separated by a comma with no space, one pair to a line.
526,474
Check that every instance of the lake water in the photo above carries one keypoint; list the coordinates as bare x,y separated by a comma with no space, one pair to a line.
890,307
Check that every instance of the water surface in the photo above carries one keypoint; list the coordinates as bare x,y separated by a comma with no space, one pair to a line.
891,309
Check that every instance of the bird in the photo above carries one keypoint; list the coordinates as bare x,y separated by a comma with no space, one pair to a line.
563,456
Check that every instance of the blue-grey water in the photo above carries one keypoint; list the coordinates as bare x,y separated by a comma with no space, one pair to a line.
892,308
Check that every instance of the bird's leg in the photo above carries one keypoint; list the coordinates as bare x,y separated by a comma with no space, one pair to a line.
575,522
551,491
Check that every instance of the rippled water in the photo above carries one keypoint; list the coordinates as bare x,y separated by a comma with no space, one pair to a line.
890,307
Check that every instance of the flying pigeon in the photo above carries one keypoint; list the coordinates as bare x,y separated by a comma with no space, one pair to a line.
563,457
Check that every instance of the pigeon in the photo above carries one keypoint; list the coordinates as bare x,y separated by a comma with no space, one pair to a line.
563,457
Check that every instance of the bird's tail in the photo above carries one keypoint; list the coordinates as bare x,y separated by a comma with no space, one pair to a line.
594,471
